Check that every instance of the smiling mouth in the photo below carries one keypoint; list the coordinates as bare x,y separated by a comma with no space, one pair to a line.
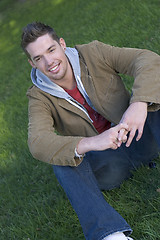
54,69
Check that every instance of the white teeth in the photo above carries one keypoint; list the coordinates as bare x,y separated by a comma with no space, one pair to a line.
54,68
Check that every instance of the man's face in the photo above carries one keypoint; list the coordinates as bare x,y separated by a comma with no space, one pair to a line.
49,57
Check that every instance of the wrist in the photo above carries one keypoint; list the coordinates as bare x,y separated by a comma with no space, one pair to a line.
85,145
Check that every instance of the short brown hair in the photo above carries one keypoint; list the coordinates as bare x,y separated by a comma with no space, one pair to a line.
35,30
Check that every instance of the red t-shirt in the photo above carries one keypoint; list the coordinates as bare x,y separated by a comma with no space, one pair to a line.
99,122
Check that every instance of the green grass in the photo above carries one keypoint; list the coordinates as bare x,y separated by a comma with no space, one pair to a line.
32,204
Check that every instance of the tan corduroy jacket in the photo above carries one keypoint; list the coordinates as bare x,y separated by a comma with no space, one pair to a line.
100,65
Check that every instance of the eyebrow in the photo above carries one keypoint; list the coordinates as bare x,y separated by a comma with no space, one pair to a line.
51,47
47,50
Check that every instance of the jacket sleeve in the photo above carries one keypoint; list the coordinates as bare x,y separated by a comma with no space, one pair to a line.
44,143
143,65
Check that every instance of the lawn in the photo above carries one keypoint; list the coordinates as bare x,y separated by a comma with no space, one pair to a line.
33,206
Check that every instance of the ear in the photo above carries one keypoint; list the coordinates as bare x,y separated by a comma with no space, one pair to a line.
62,43
31,63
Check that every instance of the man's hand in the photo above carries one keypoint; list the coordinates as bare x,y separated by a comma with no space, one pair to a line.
135,117
103,141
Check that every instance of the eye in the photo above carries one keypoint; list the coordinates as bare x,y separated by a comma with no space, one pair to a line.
37,59
51,50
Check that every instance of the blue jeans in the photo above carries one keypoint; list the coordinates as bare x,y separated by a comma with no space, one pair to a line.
104,170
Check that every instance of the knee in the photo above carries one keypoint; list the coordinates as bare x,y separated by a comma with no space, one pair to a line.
112,177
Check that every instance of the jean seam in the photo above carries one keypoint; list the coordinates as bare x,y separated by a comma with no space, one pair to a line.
93,178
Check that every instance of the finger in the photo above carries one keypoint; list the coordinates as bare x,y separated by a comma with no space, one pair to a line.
114,146
125,137
131,136
122,136
140,132
122,132
117,142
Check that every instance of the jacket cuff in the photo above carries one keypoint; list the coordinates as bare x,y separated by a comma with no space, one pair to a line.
77,155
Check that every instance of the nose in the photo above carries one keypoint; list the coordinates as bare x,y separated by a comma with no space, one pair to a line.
48,60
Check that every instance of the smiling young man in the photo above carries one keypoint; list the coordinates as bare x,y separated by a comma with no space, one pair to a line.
78,92
49,58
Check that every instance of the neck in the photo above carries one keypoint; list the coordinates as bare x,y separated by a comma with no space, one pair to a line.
69,85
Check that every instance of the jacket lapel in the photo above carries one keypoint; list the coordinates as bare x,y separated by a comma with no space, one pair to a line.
68,106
